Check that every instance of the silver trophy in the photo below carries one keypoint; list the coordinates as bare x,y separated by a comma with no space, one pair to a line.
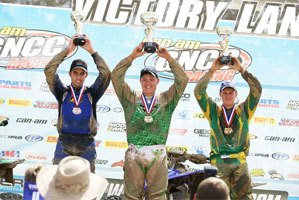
224,32
78,19
149,19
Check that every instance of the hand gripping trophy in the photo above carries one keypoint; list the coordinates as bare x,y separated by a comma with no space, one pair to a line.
78,19
224,32
149,19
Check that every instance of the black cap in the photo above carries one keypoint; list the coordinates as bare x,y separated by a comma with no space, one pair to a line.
149,70
78,63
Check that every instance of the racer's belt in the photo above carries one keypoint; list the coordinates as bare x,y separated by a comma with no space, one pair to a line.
240,156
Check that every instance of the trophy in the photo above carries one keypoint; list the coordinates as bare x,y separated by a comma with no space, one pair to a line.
149,19
224,32
78,19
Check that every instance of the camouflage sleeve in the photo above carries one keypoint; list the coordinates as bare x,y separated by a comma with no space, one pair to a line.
103,79
122,89
200,91
52,78
176,90
254,95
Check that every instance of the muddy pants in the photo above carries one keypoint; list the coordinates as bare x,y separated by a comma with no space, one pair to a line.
147,164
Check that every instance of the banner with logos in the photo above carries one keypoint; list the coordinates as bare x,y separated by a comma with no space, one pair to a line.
265,37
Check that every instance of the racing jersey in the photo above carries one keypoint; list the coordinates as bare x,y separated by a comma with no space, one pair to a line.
138,131
239,140
85,121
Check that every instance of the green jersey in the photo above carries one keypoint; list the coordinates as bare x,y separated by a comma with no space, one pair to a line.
238,140
143,133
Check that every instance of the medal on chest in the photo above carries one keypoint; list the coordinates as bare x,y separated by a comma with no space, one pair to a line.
77,110
148,106
228,120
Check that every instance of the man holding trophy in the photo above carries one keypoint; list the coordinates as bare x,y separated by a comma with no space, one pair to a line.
77,121
148,117
229,125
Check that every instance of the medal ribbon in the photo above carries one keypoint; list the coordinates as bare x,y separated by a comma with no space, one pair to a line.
77,101
229,120
148,106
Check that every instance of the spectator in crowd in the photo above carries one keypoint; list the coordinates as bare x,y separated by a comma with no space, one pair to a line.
71,179
212,188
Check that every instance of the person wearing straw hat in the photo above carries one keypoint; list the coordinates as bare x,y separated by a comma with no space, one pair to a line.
229,123
148,117
71,179
77,119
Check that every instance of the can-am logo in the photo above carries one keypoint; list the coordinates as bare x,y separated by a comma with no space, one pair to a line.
197,62
22,48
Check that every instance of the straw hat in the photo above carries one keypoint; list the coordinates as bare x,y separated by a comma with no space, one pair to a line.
70,180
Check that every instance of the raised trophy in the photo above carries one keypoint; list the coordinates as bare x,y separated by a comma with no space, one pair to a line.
224,32
149,19
78,19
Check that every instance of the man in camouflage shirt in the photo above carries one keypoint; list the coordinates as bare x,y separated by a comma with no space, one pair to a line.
229,123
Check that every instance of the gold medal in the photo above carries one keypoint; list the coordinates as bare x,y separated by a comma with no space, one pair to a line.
228,131
76,110
148,119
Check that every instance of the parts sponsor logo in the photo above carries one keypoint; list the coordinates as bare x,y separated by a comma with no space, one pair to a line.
275,175
97,143
293,105
19,102
16,187
22,48
110,91
14,137
33,138
118,109
19,85
199,115
200,149
177,149
257,172
185,97
44,87
52,139
177,131
101,162
202,132
269,194
2,101
252,137
103,108
10,154
31,121
46,104
280,156
114,189
116,144
264,155
269,103
296,157
120,163
116,127
196,58
289,122
293,176
279,139
264,120
35,156
183,114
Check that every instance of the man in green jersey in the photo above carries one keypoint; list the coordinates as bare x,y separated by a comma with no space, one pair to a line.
229,123
148,117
